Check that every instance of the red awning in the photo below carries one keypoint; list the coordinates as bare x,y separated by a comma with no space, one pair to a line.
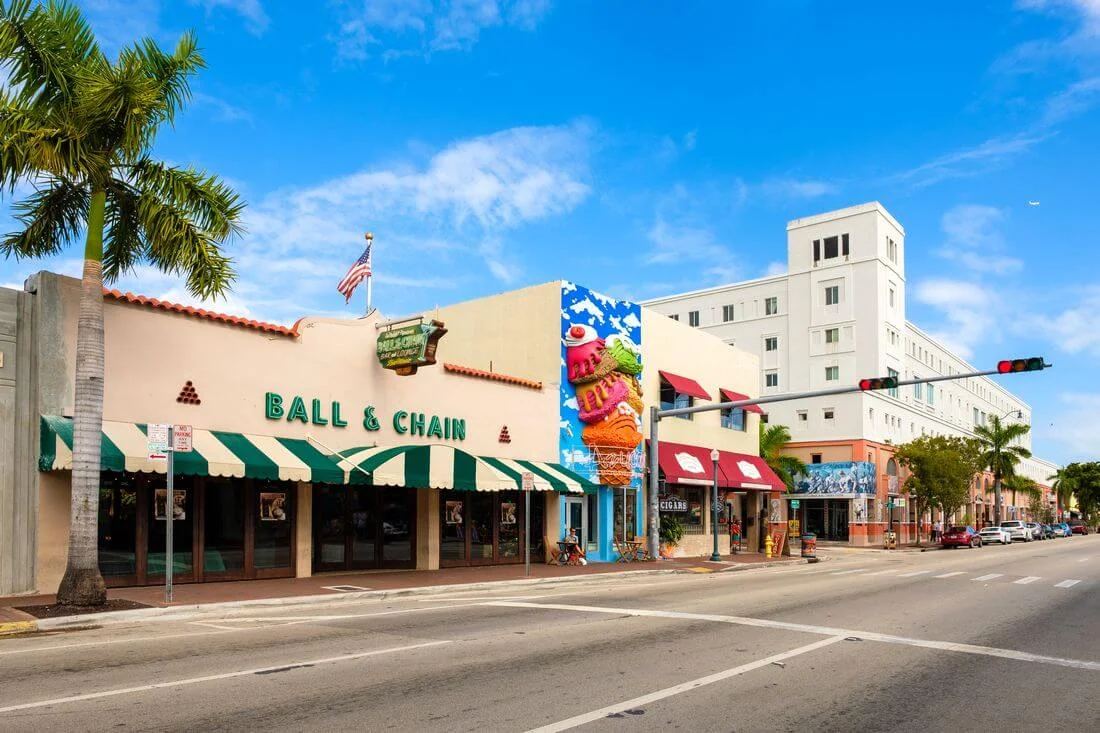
692,464
684,385
729,395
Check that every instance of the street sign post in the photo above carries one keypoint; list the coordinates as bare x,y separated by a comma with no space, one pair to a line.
795,503
528,485
181,438
163,441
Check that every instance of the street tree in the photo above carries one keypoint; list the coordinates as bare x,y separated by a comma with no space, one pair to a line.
1000,453
78,129
1086,486
1063,486
773,438
1026,487
941,469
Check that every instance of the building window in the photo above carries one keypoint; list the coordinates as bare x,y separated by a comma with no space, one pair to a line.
673,400
815,458
871,414
771,306
771,343
893,392
832,335
832,374
931,394
727,313
844,244
802,416
831,247
693,319
764,419
829,413
733,418
892,297
675,316
771,379
817,250
918,389
832,295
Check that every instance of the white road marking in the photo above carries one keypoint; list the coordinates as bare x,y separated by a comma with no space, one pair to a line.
883,572
949,575
216,677
849,572
1084,559
1028,579
913,574
991,576
1067,584
591,717
763,623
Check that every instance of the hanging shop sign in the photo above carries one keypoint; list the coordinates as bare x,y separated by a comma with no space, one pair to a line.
673,504
402,422
406,348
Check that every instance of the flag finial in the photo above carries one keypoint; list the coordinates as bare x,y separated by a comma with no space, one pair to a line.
370,236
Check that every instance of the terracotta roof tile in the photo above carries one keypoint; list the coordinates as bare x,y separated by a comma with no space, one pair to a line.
494,376
201,313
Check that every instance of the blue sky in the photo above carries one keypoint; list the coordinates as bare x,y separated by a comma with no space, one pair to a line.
492,144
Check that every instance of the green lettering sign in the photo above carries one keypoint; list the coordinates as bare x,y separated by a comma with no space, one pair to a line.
416,423
297,410
317,418
273,406
399,422
409,347
370,422
337,421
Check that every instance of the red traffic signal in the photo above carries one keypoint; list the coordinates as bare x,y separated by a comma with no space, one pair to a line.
1010,366
878,383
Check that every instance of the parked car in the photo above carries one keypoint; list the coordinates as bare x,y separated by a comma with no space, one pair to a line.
1059,530
1078,527
960,536
1067,528
1049,529
1036,530
1018,529
996,534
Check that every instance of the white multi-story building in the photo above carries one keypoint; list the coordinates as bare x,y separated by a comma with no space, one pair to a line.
837,316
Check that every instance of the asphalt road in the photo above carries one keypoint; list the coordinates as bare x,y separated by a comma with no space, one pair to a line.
1001,638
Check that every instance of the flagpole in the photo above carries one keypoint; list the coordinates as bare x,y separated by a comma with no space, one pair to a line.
370,277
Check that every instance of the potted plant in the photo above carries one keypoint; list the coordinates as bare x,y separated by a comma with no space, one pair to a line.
670,534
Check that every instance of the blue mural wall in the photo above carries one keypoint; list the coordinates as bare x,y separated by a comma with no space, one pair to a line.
845,477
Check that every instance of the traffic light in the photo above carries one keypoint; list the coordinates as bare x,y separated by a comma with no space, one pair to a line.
878,383
1009,366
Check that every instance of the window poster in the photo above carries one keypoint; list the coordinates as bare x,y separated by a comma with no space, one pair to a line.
507,512
160,501
273,506
454,512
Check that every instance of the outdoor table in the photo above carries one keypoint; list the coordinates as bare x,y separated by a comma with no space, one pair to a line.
568,553
628,550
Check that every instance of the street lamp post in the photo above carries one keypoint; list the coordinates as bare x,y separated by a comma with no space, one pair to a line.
714,556
998,505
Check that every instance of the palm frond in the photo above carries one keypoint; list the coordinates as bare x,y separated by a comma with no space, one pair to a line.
52,217
210,202
124,245
43,47
179,247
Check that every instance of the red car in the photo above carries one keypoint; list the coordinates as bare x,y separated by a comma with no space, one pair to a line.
1078,527
960,537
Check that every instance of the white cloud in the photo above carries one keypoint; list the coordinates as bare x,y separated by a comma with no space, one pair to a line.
969,161
796,188
256,20
1076,427
776,268
419,27
968,308
689,141
974,239
1074,329
225,111
1071,101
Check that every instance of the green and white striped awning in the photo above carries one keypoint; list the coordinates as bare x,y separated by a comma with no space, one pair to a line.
446,467
215,453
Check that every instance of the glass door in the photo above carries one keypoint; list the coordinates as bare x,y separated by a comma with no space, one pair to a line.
118,529
481,526
398,531
224,506
576,516
364,527
183,530
329,536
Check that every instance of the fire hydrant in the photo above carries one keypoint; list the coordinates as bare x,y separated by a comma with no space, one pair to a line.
768,546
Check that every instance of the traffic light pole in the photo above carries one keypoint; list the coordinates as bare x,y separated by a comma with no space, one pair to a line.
656,415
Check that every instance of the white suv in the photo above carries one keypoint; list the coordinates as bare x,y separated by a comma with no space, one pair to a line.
1018,530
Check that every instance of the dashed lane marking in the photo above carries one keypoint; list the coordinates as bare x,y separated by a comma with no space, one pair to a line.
949,575
849,572
1028,579
914,573
991,576
1067,583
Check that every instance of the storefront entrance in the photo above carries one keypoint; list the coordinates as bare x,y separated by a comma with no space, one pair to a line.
827,518
486,527
225,529
363,527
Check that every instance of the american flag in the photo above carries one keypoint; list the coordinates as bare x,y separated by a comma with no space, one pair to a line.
358,272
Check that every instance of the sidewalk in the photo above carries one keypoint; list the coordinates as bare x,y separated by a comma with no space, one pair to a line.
365,584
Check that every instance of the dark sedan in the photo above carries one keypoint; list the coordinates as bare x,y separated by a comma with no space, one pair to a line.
960,537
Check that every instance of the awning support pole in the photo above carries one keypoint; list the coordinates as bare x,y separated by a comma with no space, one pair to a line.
340,458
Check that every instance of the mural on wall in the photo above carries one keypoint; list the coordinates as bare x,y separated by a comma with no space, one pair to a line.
848,477
601,395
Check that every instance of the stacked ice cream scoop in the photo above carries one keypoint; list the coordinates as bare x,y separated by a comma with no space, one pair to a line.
609,398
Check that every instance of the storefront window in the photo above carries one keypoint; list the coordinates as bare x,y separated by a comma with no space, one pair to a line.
274,517
481,525
510,517
183,529
631,526
538,528
398,520
117,525
223,525
593,521
452,534
363,525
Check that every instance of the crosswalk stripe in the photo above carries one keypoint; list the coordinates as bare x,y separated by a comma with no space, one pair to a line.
1028,579
1067,584
949,575
991,576
916,572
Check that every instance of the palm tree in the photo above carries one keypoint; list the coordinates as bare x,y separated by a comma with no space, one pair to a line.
80,129
998,453
1063,486
772,440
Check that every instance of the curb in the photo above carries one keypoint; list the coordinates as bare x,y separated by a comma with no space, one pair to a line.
10,628
184,612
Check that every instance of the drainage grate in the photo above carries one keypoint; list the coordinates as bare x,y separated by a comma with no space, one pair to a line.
345,588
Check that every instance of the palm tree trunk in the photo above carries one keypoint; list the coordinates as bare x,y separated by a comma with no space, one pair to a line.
82,584
997,518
